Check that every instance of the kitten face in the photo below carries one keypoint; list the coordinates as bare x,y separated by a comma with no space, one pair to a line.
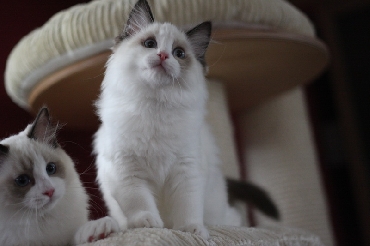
160,54
33,168
32,176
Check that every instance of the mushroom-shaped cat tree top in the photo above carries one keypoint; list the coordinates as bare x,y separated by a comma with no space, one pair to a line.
260,48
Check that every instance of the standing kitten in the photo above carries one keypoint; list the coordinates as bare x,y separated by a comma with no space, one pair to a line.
156,157
42,198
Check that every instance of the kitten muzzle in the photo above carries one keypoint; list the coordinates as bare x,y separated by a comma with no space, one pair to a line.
49,193
163,56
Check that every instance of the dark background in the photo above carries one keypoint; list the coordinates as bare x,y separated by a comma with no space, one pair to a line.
338,102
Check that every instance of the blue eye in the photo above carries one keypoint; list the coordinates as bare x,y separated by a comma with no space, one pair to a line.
23,180
179,53
51,168
150,43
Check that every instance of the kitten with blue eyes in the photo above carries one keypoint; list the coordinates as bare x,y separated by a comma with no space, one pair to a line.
157,160
42,199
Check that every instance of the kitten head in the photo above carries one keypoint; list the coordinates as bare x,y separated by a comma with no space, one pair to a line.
159,53
33,168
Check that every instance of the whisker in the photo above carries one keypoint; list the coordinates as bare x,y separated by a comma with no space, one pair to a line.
95,206
13,204
90,167
77,144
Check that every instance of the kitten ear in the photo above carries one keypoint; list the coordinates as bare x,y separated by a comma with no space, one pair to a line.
140,17
4,150
41,129
199,38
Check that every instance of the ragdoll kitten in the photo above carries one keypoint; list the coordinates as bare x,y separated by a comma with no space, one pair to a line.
42,198
157,161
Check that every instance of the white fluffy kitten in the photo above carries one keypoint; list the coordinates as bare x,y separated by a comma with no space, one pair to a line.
156,158
42,198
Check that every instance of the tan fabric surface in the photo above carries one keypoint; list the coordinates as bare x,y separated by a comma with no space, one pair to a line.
281,157
87,29
220,236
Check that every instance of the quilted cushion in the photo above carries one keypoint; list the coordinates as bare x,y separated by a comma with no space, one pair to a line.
219,236
87,29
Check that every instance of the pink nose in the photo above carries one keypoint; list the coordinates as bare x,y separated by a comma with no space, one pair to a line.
163,56
49,193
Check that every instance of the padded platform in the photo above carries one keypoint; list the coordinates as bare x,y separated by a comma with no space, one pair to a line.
219,236
261,48
237,57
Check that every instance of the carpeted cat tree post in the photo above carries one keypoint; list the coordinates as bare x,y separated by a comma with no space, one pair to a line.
262,52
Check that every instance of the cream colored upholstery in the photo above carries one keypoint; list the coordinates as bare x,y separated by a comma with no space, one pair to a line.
281,157
220,236
87,29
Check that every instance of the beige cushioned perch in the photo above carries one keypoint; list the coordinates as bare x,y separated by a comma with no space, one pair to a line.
261,48
220,236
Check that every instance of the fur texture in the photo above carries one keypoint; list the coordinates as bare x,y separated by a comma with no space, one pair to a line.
43,200
156,157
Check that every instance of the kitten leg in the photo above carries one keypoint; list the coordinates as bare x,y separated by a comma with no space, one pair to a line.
217,210
138,204
95,230
186,200
114,209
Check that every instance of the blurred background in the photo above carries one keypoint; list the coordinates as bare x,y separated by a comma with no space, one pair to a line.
338,104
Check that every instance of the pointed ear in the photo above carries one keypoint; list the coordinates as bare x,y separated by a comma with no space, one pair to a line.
140,17
4,150
199,38
42,130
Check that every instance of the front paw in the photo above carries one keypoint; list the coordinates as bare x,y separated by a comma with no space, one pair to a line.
145,219
95,230
197,229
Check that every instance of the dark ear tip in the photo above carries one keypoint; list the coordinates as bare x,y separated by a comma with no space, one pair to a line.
207,24
44,110
4,149
210,27
43,118
142,3
140,16
204,26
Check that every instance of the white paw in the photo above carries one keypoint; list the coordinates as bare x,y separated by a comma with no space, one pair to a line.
197,229
145,219
95,230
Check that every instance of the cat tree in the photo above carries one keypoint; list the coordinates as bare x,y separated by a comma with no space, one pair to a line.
261,50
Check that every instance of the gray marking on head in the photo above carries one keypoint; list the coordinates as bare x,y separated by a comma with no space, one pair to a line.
199,38
140,17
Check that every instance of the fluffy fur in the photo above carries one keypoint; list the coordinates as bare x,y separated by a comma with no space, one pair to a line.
156,157
42,199
28,216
